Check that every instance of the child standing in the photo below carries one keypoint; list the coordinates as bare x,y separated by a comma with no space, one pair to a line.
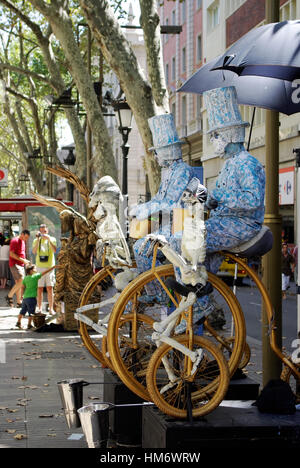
29,292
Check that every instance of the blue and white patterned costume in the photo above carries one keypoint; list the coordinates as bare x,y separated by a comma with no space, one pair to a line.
239,192
175,176
240,186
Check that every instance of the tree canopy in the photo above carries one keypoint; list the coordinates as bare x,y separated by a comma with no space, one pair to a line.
45,50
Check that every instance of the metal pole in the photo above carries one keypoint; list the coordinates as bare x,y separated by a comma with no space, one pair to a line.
251,128
297,219
125,149
271,364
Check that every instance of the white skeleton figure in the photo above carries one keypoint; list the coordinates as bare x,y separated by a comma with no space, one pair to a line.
193,243
106,195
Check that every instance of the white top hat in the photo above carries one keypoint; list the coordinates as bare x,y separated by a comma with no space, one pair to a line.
163,131
222,109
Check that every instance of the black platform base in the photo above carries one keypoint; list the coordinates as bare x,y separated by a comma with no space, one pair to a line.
226,427
126,422
242,389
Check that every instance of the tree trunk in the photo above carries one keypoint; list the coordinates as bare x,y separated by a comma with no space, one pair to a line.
121,58
151,26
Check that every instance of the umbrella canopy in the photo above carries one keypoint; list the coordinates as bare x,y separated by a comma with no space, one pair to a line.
272,50
259,91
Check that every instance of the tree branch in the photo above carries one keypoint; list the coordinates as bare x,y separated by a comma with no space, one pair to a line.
22,71
151,26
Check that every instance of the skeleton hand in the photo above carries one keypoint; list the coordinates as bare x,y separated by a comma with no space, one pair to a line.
155,239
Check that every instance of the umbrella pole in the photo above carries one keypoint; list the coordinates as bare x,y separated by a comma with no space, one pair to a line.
297,217
271,364
251,128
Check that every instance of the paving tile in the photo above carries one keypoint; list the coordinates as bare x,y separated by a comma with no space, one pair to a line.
40,360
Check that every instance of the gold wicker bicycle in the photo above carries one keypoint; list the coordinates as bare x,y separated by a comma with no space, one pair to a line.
129,350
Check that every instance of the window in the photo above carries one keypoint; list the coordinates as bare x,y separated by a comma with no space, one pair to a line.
198,112
173,69
198,107
199,4
213,16
199,48
183,64
288,11
183,111
232,6
247,113
183,12
167,35
167,73
173,109
173,17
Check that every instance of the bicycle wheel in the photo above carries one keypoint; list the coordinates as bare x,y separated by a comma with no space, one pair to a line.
226,348
207,386
135,344
129,302
93,343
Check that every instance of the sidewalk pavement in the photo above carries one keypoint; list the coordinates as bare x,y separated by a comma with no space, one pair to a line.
31,414
31,364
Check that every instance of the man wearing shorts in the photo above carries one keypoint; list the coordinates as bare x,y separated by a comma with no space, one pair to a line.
44,247
17,260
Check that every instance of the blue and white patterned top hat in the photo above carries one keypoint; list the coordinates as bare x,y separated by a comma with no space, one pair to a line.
222,108
163,131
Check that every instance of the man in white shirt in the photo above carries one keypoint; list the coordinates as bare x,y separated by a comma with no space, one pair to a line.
44,247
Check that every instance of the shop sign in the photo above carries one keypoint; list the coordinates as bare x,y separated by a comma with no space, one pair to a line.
3,177
286,185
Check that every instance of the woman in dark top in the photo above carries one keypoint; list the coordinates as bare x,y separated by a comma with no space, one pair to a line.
287,268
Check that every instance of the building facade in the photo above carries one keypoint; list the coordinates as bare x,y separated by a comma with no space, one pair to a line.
209,27
182,57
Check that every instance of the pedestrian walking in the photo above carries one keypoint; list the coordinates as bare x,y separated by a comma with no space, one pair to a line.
4,264
29,292
287,268
44,247
295,254
17,260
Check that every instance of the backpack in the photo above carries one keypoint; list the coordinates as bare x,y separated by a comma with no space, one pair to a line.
276,397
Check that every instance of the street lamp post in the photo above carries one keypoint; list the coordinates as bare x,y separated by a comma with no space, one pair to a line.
70,161
24,178
124,116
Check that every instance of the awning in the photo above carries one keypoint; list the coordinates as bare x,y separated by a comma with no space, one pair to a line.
20,204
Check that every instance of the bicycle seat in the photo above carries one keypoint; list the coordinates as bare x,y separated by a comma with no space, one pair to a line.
185,289
257,246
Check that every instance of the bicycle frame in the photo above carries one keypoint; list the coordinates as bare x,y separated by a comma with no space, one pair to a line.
269,311
164,328
98,327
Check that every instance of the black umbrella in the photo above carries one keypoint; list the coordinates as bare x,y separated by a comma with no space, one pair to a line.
258,91
272,50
